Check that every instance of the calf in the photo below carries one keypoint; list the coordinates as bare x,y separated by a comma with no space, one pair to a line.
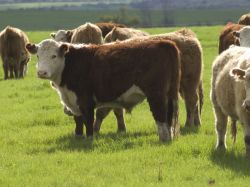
13,52
117,75
106,27
230,92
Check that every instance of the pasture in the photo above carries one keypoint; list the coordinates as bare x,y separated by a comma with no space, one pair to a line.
38,147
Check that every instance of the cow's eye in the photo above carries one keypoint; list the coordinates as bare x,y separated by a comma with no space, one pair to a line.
53,56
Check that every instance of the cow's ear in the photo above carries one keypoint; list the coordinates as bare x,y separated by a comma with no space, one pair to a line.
236,34
32,48
238,74
53,35
63,49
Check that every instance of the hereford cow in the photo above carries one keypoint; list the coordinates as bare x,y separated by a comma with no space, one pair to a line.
87,33
191,82
106,27
227,37
117,75
13,52
118,33
230,92
244,19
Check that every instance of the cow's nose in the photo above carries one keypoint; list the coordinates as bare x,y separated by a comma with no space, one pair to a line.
246,105
41,73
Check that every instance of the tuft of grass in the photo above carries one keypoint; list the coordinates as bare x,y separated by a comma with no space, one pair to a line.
38,146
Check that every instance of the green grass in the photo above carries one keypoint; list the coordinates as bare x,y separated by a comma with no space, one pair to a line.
38,148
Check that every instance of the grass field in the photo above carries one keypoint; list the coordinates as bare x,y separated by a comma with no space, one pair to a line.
38,147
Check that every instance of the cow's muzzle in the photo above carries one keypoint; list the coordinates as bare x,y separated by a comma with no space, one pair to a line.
42,74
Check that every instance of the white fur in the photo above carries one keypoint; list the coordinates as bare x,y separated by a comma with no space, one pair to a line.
163,131
60,36
245,36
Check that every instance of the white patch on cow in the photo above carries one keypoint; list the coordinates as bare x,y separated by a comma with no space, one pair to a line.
244,34
61,36
164,134
68,99
132,96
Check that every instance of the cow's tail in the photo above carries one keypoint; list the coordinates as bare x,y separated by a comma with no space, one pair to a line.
201,96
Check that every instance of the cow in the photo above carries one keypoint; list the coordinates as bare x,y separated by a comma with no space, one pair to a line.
106,27
243,36
13,52
227,37
230,92
118,33
117,75
66,35
87,33
244,19
191,81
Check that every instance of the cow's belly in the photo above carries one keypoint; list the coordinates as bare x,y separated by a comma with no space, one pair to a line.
69,100
127,100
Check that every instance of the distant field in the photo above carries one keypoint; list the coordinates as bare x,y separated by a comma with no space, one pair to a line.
35,19
38,148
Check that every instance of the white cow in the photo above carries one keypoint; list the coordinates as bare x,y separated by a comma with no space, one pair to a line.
244,36
230,92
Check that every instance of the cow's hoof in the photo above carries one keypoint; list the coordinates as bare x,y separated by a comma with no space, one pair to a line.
121,130
79,136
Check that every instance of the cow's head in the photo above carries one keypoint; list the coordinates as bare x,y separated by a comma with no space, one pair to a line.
50,56
243,75
243,35
62,35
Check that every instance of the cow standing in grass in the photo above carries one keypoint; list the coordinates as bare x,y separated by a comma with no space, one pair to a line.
191,82
116,75
13,52
231,92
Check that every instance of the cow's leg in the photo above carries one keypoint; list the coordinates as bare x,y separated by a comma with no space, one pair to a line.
120,119
21,72
89,122
16,70
221,128
101,113
247,139
191,104
6,70
158,107
79,125
11,68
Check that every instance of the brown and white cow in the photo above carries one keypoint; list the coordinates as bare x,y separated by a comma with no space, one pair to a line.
87,33
117,75
106,27
244,19
244,36
13,52
191,81
230,92
120,34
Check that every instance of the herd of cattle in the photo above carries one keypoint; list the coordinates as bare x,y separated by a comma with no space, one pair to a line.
108,66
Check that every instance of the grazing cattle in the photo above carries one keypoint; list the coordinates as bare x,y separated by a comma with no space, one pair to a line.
244,19
87,33
227,37
191,82
13,52
106,27
93,76
118,33
230,92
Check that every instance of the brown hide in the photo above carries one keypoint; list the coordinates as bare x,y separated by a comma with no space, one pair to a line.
107,71
106,27
244,19
227,38
13,52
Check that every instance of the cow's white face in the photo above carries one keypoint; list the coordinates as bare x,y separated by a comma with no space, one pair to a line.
50,56
244,75
60,36
244,36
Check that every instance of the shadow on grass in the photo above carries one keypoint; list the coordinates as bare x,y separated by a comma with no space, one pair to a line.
230,160
104,143
189,130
